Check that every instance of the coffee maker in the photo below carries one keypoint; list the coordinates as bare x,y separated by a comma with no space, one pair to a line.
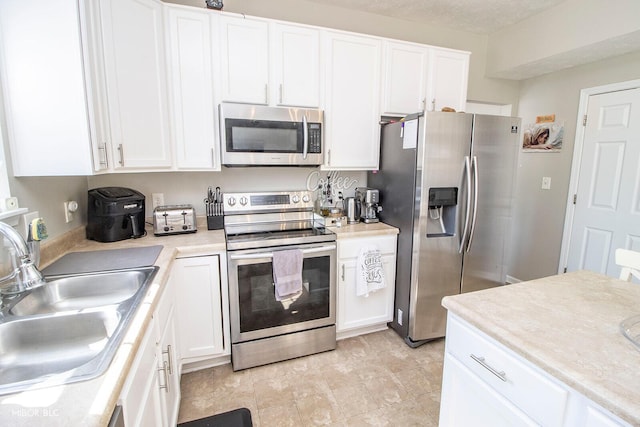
368,199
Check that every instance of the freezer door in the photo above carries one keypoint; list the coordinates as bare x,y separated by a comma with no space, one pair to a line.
436,260
494,151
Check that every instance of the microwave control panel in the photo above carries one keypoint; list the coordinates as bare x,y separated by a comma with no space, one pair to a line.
315,138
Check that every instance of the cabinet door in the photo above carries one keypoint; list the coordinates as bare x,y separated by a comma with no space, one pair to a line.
169,371
134,59
193,107
405,78
244,60
352,131
44,94
140,398
377,308
448,78
199,311
296,68
468,401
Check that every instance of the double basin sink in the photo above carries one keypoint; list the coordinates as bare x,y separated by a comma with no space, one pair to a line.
69,329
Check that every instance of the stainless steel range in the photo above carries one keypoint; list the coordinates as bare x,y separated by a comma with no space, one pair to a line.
266,327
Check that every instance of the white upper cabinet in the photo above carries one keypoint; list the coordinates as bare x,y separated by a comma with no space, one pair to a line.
295,57
193,110
352,97
448,79
41,69
244,58
136,83
405,78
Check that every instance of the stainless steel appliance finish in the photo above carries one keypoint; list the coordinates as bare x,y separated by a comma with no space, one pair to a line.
353,211
368,200
257,135
264,330
446,181
174,219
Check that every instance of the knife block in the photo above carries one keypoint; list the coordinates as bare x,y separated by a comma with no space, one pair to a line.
215,222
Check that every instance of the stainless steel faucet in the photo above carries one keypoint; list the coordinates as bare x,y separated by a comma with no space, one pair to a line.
26,275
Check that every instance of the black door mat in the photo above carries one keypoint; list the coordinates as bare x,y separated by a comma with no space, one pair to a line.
236,418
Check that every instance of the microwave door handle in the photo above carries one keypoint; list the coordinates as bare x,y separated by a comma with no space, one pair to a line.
305,133
270,254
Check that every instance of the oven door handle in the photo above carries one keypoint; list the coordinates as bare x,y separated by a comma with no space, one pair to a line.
270,254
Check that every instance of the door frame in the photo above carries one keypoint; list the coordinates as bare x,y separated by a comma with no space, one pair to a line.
578,146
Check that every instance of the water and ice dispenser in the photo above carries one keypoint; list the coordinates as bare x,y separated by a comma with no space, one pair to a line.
443,206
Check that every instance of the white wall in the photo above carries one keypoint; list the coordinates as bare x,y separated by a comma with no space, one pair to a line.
539,214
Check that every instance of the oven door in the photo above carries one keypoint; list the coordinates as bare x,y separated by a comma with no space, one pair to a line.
255,312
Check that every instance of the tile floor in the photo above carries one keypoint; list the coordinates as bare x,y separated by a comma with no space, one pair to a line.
369,380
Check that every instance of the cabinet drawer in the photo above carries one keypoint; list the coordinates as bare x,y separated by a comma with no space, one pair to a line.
525,386
350,248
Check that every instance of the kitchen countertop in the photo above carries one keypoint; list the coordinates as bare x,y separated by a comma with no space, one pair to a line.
567,325
90,403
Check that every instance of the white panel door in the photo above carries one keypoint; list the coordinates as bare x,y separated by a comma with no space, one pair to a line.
405,79
607,211
296,66
135,70
352,113
244,60
194,111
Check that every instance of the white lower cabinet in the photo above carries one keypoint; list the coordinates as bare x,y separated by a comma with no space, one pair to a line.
151,393
355,312
200,312
485,383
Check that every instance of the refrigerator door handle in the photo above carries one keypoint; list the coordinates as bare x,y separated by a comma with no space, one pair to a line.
474,168
466,173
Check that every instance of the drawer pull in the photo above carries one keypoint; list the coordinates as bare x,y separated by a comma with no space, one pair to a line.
480,360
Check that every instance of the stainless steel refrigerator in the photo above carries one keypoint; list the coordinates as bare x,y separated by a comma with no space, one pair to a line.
446,180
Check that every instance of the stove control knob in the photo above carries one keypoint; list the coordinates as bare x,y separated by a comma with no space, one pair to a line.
231,201
306,198
243,201
295,198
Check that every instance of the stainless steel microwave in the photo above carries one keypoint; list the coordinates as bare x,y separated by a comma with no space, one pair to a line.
256,135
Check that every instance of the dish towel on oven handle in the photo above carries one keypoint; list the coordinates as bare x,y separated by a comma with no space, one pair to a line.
287,273
369,271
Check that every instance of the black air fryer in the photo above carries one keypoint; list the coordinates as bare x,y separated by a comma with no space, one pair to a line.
115,213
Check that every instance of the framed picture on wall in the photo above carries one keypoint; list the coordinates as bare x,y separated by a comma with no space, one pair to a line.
543,137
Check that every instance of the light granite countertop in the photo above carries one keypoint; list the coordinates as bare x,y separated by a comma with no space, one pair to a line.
567,325
90,403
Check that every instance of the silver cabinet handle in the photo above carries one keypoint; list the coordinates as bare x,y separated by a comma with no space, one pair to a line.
168,353
166,377
121,150
343,272
104,159
280,91
213,157
481,361
266,94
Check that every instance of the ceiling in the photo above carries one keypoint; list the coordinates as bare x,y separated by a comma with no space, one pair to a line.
476,16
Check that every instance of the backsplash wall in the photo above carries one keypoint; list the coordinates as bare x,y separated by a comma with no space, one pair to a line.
191,187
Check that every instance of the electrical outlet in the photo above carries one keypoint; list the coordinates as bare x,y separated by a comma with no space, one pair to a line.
28,217
69,209
157,199
546,182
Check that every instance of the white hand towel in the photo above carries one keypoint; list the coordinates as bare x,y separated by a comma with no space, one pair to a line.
369,271
287,273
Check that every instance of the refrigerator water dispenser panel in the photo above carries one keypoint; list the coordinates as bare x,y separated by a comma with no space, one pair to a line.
443,206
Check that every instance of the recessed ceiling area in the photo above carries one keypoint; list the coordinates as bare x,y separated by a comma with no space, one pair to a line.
475,16
526,38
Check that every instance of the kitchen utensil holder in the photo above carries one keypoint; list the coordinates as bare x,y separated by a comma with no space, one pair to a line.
215,222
